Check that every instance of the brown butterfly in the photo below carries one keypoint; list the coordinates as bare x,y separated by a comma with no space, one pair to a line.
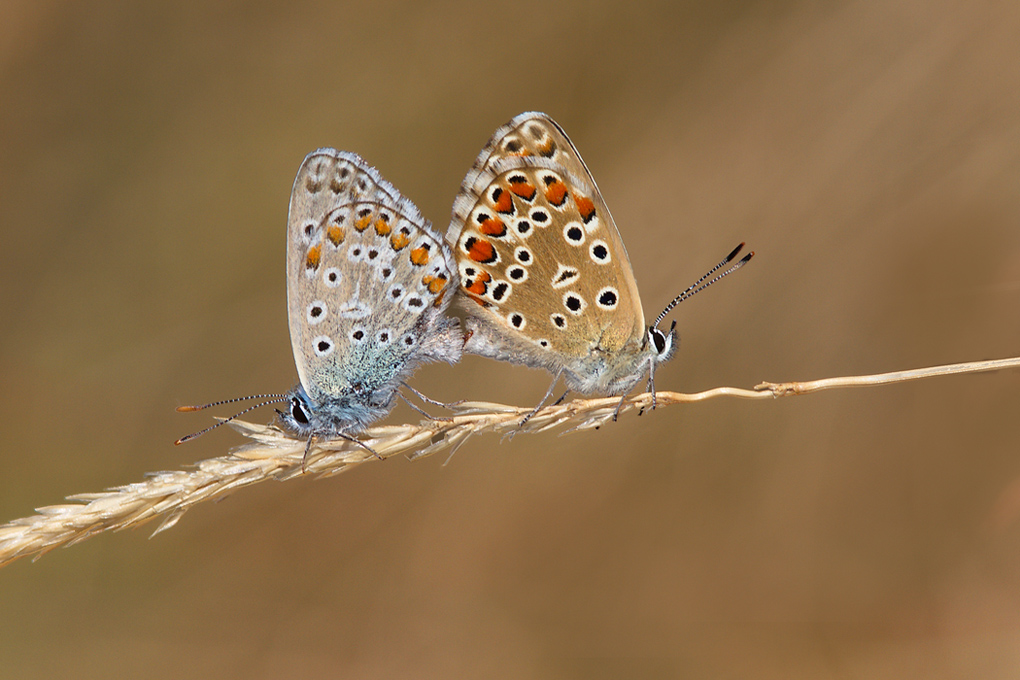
543,270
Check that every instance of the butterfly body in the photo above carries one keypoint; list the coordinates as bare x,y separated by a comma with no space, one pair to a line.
367,283
605,367
545,277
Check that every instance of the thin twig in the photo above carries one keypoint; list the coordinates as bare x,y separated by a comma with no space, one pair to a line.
783,389
272,454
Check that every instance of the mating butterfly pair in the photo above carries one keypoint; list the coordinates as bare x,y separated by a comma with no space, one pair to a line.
532,252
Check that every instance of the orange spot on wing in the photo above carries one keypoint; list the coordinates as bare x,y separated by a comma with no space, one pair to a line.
382,227
420,256
313,257
482,251
556,193
493,227
547,149
361,224
435,283
585,206
399,241
525,190
505,203
439,300
479,285
335,234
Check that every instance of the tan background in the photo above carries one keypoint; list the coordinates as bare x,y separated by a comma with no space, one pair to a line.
869,151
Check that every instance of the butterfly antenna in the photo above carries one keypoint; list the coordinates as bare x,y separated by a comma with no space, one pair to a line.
189,409
701,285
194,435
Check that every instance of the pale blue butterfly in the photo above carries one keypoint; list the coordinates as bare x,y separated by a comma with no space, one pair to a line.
367,284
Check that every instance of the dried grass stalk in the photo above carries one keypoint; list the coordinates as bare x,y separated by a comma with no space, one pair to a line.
272,454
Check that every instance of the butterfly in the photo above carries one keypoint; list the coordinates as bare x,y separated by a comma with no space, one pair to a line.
367,284
545,278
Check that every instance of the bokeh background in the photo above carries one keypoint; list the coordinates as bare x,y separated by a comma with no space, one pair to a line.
868,150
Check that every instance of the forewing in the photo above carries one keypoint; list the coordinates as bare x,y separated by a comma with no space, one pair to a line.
529,194
363,270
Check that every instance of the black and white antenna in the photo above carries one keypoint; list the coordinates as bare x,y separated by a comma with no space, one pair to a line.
701,285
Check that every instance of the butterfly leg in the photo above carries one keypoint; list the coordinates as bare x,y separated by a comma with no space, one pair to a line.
418,408
360,443
341,435
651,385
304,458
562,397
424,398
548,393
616,413
651,380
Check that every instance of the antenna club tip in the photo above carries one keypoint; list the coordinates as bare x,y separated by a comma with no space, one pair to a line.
188,409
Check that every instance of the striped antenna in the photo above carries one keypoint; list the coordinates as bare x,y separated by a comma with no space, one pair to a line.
272,399
700,284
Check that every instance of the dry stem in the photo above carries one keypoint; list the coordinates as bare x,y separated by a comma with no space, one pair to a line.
273,454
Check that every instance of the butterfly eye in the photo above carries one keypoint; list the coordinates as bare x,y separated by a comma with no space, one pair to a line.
658,339
664,342
298,413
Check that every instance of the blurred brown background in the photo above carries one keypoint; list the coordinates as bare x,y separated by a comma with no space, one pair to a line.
869,151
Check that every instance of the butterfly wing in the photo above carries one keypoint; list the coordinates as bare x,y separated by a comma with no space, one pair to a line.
366,282
540,255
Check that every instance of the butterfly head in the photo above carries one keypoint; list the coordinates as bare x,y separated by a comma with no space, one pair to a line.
299,415
662,345
345,414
